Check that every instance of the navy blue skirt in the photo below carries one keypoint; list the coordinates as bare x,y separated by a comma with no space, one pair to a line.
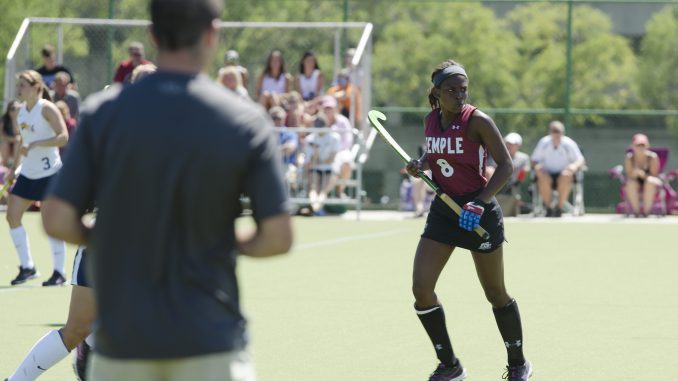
30,189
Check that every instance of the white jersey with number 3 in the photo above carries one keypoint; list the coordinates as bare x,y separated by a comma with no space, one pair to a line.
40,161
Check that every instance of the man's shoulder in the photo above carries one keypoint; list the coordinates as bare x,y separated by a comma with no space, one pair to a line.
569,141
101,99
343,121
520,155
544,140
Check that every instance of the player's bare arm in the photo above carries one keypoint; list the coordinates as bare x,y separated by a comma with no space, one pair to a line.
482,129
62,220
273,236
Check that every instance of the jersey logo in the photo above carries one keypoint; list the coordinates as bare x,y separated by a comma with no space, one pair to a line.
444,145
485,246
456,127
24,126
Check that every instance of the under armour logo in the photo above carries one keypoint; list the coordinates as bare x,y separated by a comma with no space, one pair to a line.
485,246
439,347
517,344
456,127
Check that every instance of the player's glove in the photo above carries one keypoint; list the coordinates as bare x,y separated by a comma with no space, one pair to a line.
471,213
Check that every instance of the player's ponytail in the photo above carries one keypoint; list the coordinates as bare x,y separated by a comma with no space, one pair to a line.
35,79
45,93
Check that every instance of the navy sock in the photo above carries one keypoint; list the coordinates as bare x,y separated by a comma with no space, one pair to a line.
433,320
508,321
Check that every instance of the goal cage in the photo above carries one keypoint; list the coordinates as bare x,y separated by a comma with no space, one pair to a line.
92,48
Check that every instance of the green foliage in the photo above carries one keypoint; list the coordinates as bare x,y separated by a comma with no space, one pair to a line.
414,41
516,61
658,61
603,63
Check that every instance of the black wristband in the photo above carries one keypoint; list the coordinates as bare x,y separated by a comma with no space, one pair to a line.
480,202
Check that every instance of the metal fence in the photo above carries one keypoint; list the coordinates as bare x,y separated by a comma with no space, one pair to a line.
92,48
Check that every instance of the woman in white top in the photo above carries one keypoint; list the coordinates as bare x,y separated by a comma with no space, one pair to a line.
41,130
273,81
310,81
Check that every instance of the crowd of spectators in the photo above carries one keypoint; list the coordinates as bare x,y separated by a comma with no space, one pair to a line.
298,102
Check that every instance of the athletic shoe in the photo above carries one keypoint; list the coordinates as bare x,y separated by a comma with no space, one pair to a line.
80,360
55,280
549,212
446,373
518,373
557,212
25,274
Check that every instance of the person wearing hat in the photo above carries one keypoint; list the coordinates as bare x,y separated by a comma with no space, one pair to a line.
508,196
556,159
232,58
642,175
521,161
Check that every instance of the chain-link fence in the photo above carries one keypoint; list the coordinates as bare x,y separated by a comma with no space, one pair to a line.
91,50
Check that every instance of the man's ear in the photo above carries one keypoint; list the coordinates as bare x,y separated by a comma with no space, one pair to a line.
212,34
151,36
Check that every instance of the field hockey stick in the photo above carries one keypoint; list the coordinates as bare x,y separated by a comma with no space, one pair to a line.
8,184
374,117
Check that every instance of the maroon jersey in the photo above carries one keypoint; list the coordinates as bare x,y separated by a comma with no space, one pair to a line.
457,163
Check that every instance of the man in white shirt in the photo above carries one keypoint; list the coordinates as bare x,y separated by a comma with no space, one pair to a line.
556,159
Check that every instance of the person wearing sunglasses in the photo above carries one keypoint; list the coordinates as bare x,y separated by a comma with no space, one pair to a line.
556,159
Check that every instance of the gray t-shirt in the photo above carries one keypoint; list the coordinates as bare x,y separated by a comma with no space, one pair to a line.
166,161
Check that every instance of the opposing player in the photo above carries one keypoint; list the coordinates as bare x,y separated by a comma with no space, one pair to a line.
458,139
57,344
42,131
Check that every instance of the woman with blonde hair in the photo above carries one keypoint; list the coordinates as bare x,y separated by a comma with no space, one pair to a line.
40,130
642,175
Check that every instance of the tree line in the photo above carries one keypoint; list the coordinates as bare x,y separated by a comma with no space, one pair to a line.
516,61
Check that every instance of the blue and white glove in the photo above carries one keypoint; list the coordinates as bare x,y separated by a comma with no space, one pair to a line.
470,215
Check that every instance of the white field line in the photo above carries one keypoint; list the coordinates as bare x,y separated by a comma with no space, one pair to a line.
335,241
304,246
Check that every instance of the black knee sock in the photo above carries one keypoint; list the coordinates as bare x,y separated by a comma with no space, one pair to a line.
508,321
433,320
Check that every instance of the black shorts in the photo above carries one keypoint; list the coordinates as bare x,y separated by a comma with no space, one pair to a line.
31,189
79,273
442,225
554,180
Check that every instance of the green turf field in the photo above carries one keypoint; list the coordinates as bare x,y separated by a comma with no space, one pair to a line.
598,301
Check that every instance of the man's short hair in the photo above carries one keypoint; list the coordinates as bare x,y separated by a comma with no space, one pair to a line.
63,75
178,24
48,51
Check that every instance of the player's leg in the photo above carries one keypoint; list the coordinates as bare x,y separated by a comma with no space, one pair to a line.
490,270
16,206
429,261
649,193
81,316
544,185
564,187
59,260
49,350
633,195
419,196
56,345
